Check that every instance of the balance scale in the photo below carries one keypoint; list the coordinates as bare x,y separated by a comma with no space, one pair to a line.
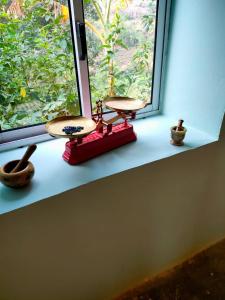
97,135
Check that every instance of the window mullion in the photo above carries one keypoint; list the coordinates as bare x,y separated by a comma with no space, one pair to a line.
82,65
159,51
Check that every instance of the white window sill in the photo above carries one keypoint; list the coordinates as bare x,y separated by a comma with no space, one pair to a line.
54,176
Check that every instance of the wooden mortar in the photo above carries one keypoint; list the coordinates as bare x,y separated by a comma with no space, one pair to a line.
17,179
18,173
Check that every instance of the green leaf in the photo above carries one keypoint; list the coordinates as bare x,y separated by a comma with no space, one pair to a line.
63,44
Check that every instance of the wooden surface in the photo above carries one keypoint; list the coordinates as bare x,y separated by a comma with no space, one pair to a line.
55,127
123,104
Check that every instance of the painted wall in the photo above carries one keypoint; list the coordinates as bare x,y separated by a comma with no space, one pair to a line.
195,81
95,241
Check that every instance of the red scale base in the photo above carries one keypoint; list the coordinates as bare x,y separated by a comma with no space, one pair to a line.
96,143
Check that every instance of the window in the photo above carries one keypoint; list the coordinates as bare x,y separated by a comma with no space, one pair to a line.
120,39
45,70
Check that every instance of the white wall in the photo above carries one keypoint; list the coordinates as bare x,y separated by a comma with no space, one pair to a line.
95,241
195,81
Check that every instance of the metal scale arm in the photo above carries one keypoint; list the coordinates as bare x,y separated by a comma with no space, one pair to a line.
125,115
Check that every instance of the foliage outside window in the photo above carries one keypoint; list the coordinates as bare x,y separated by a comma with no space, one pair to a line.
37,76
37,71
120,36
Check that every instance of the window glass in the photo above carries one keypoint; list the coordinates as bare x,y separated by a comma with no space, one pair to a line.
120,39
37,70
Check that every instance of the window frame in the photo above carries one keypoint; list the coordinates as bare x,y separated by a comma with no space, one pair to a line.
37,133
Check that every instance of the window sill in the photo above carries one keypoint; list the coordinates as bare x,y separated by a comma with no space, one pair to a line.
54,176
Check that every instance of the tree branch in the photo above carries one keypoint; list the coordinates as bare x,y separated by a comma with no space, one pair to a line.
108,10
95,30
98,11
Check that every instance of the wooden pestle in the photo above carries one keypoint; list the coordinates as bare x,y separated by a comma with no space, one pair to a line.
179,126
24,159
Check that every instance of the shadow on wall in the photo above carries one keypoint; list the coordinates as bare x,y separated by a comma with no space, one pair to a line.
222,131
93,242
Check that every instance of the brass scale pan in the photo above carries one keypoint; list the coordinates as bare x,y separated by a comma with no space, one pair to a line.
118,104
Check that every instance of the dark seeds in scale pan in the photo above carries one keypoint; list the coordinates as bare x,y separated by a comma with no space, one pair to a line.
72,129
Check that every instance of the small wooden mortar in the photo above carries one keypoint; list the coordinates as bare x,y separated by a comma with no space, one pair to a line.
177,134
18,173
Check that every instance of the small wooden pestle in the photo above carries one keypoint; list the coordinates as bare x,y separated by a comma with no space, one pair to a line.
179,126
24,159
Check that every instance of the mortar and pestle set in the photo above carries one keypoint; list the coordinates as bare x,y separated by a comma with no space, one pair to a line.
18,173
178,134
